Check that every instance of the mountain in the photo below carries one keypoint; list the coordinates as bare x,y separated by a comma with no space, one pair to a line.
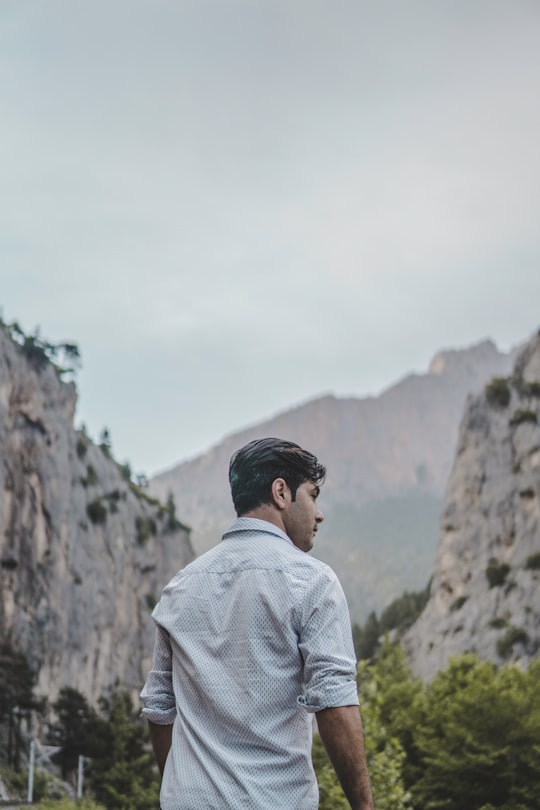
83,551
388,460
485,594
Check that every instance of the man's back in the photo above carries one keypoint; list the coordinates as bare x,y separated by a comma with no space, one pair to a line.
259,632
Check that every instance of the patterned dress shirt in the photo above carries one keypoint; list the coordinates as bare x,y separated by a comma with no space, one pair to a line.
251,638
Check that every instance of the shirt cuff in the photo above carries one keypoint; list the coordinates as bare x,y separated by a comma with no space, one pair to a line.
160,717
346,694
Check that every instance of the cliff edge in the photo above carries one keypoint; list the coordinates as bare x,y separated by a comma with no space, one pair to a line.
83,551
485,594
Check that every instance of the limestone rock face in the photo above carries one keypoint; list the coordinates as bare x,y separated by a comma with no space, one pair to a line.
83,552
485,595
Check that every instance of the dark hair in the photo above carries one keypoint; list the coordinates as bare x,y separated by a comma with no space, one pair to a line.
254,467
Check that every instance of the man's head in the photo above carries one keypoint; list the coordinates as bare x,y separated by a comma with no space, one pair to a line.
266,476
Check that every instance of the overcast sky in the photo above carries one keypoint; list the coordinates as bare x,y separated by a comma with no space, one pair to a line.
233,206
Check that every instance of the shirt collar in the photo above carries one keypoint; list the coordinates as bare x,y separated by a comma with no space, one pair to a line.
244,524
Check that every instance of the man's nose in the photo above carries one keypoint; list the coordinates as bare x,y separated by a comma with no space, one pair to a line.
319,517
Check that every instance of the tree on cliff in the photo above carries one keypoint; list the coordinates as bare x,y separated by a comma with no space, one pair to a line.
17,699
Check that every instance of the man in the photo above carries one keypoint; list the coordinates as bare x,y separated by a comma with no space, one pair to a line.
251,639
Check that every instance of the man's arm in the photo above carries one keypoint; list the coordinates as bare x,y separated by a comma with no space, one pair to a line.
161,738
341,732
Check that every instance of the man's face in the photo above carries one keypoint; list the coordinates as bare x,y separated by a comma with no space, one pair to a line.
302,516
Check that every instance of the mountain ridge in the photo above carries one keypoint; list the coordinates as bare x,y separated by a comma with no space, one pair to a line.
379,448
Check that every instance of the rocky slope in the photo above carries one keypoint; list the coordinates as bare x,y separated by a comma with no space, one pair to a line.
485,595
83,552
388,460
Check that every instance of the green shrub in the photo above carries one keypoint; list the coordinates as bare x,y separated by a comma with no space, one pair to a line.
498,623
125,471
81,447
532,563
526,389
97,512
145,528
522,416
496,572
91,476
498,392
400,614
69,804
458,603
514,635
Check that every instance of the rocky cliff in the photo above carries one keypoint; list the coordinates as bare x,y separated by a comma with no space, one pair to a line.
388,460
485,595
83,551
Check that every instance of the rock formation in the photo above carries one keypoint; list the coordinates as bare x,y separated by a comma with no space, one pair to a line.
388,460
485,595
83,551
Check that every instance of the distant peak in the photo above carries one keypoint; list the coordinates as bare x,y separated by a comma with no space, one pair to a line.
446,359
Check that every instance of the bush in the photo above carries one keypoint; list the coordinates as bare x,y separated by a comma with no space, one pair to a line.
97,512
526,389
399,615
522,416
145,528
496,572
458,603
475,739
81,447
69,804
91,476
514,635
498,623
532,563
498,392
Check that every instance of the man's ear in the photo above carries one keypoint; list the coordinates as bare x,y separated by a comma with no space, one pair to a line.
281,494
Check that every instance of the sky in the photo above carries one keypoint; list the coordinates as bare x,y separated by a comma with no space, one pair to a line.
235,207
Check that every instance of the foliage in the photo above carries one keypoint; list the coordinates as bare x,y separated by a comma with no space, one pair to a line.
384,753
496,572
366,637
69,804
64,357
17,699
16,782
458,603
514,635
522,416
105,441
145,528
170,509
498,623
399,615
478,738
121,774
97,511
526,389
91,476
498,392
532,563
73,713
81,446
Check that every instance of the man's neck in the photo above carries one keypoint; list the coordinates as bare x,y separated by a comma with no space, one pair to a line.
267,512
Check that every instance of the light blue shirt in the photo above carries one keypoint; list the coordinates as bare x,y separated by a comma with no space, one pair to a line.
251,638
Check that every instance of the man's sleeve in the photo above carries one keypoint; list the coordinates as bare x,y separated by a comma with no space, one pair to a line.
158,694
326,646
